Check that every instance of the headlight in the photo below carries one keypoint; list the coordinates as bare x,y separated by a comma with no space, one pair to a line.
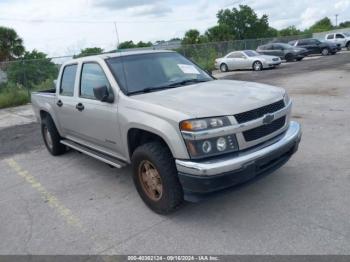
286,98
211,145
204,124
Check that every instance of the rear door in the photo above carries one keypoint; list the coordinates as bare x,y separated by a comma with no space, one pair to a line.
277,50
97,121
65,100
330,38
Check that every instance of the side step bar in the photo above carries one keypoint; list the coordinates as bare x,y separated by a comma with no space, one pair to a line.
95,154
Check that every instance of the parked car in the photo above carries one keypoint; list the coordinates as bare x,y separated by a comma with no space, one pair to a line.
339,38
284,51
186,134
247,59
315,46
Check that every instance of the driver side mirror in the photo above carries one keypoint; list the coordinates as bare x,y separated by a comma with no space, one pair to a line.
102,94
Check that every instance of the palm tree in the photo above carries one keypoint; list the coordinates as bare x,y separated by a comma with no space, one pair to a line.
11,45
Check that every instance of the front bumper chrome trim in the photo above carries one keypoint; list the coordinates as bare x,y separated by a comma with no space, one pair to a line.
227,163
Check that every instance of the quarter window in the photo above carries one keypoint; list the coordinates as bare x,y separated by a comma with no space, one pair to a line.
330,36
92,76
68,80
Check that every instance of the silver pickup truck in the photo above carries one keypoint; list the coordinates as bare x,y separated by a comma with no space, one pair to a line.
185,133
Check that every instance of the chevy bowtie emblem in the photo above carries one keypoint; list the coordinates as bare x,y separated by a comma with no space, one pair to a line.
268,119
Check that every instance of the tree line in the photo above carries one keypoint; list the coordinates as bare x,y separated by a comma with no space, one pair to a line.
243,23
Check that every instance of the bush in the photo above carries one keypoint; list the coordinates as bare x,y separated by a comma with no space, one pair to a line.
13,95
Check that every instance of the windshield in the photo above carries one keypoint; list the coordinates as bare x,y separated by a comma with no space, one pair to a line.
154,71
251,53
347,34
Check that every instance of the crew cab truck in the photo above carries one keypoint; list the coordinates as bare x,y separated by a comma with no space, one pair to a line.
185,133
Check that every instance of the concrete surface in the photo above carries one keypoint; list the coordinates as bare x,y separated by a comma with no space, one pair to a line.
74,204
14,116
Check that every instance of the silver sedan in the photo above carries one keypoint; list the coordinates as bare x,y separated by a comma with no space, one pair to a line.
247,59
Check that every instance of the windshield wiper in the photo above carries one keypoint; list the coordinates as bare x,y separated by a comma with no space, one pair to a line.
150,89
187,81
172,85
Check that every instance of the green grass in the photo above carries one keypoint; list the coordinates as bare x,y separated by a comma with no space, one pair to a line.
12,94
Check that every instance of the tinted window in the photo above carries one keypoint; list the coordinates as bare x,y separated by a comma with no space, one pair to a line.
92,75
251,53
236,55
265,47
282,46
330,36
339,36
138,72
68,80
302,42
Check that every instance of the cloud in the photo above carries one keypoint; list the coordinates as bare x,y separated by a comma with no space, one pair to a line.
153,10
125,4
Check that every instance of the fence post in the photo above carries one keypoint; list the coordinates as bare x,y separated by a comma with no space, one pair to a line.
25,78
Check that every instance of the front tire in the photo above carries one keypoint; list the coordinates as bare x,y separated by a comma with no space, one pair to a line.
348,46
257,66
325,51
156,178
299,59
223,68
51,137
289,57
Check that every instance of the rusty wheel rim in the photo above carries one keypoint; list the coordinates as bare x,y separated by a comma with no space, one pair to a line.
48,138
150,180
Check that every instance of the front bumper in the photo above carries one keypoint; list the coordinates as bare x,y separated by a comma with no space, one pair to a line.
217,174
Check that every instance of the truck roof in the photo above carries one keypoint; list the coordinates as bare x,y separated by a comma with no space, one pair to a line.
118,53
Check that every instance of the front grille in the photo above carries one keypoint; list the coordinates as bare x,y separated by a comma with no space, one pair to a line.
259,112
261,131
275,59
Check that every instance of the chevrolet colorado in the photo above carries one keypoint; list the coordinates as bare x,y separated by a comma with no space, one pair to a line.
185,133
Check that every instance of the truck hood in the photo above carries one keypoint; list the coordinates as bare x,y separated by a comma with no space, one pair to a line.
214,98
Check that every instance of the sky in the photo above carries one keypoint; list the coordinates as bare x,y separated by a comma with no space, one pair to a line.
64,27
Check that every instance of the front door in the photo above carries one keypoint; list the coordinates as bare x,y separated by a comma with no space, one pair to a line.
97,121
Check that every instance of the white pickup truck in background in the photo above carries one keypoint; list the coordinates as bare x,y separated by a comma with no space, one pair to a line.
339,38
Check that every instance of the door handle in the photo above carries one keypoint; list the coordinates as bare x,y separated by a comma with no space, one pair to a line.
80,107
59,103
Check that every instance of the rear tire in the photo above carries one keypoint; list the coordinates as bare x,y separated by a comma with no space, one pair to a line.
223,68
289,57
156,178
51,137
300,58
325,51
348,46
257,66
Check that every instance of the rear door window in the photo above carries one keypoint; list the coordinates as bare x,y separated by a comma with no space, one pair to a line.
339,36
68,80
331,36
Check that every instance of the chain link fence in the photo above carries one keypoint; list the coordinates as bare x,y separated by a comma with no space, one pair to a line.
205,54
21,77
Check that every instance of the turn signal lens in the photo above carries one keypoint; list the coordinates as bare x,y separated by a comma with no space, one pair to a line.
203,124
194,125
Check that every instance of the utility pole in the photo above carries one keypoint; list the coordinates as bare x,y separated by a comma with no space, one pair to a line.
336,20
117,34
